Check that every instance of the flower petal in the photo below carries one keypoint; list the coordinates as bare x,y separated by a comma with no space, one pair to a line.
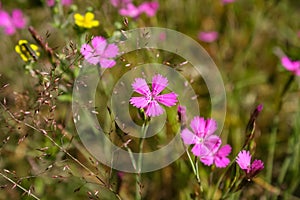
5,19
188,137
107,63
210,127
130,10
111,51
207,160
256,167
198,126
99,44
18,18
200,150
154,109
224,151
221,162
149,8
212,142
88,53
140,86
221,159
158,84
139,102
289,64
169,99
244,160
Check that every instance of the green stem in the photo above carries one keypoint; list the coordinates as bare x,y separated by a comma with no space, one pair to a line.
273,136
138,195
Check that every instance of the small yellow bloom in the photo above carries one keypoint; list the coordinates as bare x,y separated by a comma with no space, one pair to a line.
27,51
86,21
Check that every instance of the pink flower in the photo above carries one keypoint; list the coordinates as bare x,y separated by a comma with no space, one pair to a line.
129,9
292,66
227,1
219,157
181,111
100,52
13,22
244,161
208,36
149,8
119,3
205,142
151,99
50,3
66,2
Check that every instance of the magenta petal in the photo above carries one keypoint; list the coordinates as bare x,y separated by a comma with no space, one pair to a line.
107,63
140,86
154,109
50,2
86,50
99,44
158,84
66,2
244,159
188,137
9,30
139,102
211,126
207,160
213,143
149,8
221,162
208,36
5,19
88,54
130,10
169,99
289,64
256,166
224,151
111,51
18,18
200,150
198,126
297,72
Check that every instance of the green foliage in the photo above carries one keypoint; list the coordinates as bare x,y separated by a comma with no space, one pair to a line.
42,156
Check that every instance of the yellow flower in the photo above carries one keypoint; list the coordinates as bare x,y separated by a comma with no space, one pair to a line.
86,21
27,51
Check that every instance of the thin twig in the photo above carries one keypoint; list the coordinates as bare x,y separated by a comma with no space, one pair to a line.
44,133
19,186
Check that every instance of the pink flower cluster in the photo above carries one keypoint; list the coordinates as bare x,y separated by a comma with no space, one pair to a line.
127,8
209,36
207,145
292,66
150,99
10,23
244,161
100,52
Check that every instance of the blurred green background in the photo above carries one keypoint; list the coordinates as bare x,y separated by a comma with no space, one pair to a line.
249,34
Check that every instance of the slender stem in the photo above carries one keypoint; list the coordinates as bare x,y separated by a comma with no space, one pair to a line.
191,161
198,176
19,186
138,195
44,133
273,137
